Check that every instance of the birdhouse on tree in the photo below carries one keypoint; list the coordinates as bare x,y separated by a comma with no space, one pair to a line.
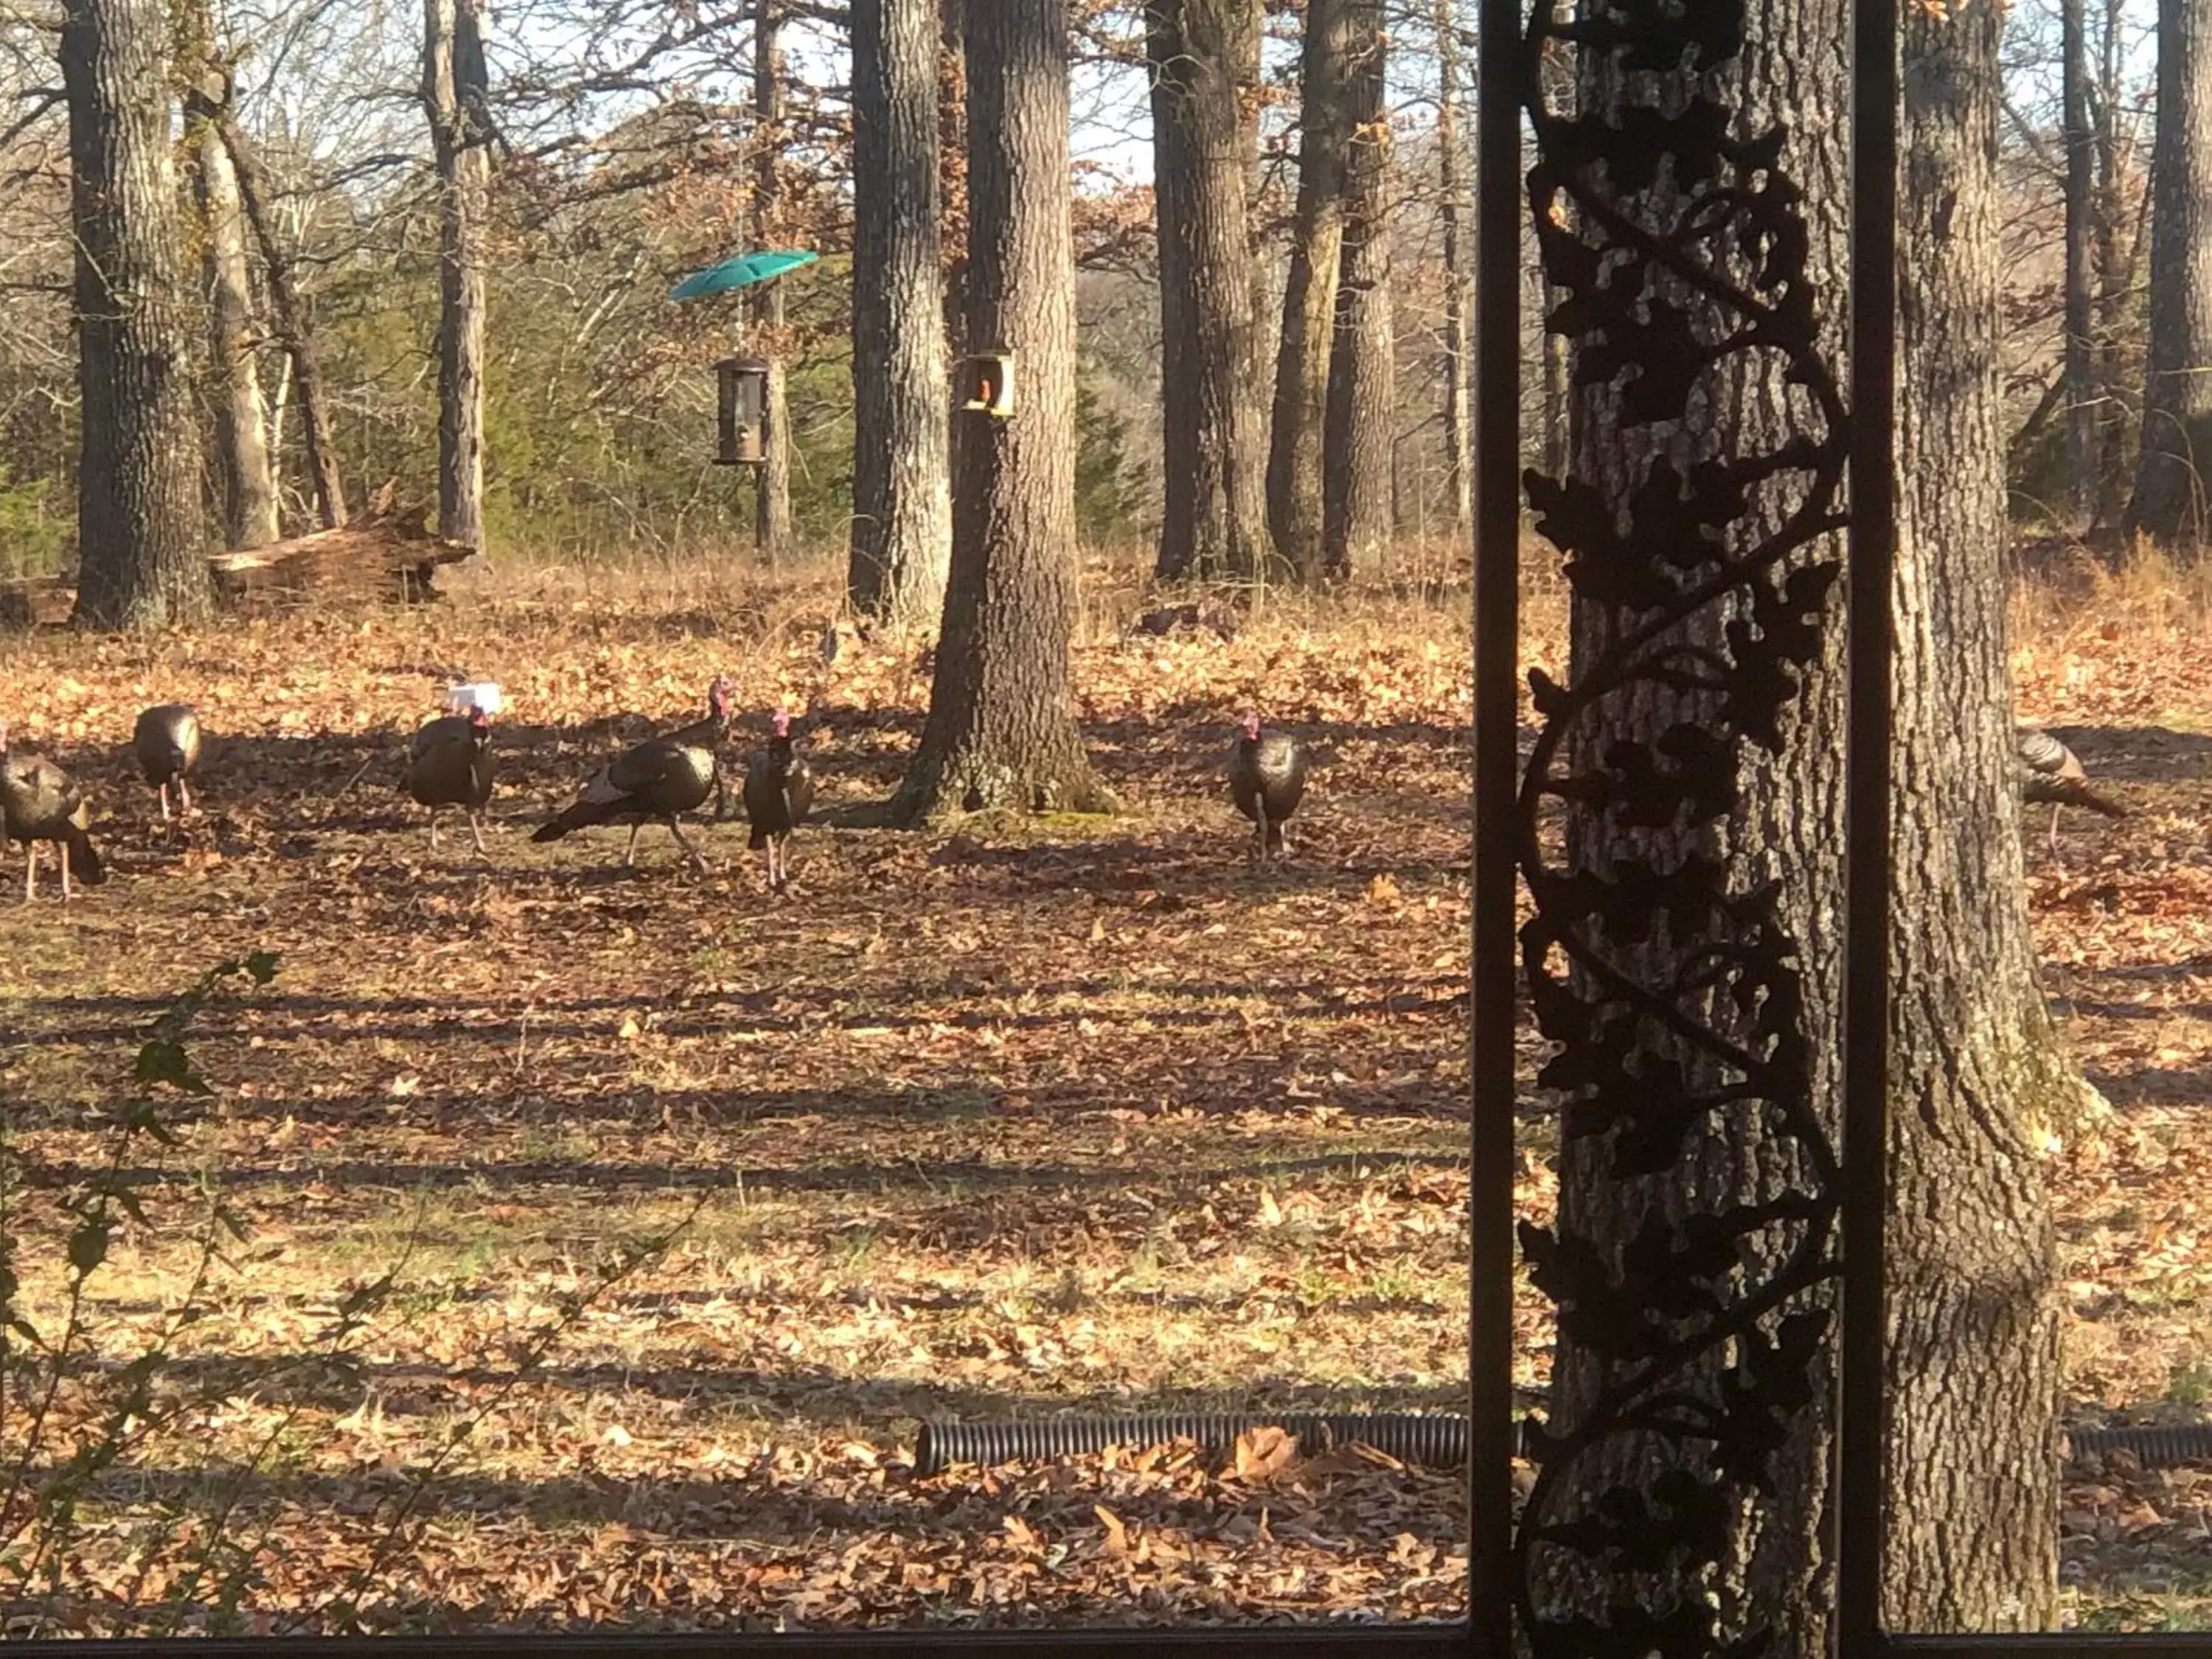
986,382
741,411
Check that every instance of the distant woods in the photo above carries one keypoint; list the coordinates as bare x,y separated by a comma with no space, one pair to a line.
347,257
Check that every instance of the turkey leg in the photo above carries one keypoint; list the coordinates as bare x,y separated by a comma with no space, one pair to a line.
164,789
476,830
630,853
62,858
30,871
184,799
682,840
434,829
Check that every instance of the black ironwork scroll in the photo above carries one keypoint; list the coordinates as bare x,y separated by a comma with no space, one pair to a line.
1704,572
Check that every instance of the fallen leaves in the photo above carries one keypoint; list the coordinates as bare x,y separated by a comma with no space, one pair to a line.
983,1124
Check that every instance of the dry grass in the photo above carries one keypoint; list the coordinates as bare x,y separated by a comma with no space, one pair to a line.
1039,1116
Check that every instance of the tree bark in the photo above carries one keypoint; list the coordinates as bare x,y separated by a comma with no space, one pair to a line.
138,472
953,183
1301,358
1001,731
1212,469
1361,414
291,310
772,478
1971,1369
455,89
902,540
1972,1372
2168,505
2118,245
1557,78
241,414
2079,379
1454,209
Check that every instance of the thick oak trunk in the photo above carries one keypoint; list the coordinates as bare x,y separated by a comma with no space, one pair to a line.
1301,358
456,90
1212,466
1359,444
772,478
1976,1071
901,538
1973,1363
1001,732
289,308
138,472
241,414
2169,504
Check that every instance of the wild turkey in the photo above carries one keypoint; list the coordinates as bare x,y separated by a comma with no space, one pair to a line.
2050,771
656,781
778,790
39,803
449,764
1267,777
166,741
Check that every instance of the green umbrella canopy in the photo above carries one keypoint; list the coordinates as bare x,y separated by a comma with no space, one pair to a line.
741,272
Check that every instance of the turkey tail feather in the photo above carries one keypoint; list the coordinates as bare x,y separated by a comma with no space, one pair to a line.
2072,792
2105,804
83,858
582,815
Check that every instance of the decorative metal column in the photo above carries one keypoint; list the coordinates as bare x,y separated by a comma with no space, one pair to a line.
1674,986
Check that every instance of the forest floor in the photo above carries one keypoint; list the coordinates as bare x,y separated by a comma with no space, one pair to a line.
605,1233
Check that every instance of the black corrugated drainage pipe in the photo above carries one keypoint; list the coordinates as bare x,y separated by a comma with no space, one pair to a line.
1435,1441
1438,1441
2158,1446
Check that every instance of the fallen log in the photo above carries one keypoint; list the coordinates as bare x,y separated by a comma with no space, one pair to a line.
367,559
381,555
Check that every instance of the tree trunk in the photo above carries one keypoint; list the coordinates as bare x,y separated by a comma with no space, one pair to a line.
1453,207
1001,732
241,414
2118,252
1361,413
1556,394
1972,1372
138,470
772,478
2168,505
1302,367
456,88
1694,912
952,184
1556,80
1210,465
293,326
901,542
2079,379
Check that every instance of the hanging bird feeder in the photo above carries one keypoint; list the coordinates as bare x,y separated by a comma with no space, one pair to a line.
740,411
741,383
986,382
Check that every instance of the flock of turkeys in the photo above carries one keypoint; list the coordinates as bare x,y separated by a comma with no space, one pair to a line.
449,763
